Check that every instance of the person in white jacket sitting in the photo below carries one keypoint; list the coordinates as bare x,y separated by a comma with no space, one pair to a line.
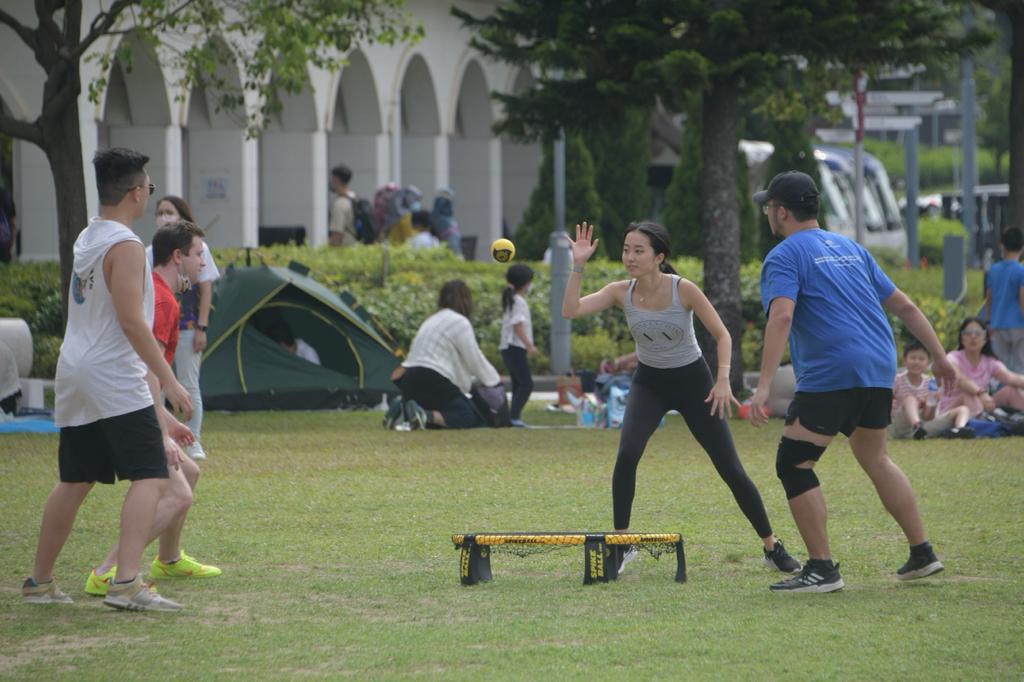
443,362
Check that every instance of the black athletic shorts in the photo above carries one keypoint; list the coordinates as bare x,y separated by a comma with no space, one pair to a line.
128,445
830,412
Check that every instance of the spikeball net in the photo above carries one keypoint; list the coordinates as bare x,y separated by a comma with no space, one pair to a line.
602,552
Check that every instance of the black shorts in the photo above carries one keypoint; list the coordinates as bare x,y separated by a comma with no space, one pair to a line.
830,412
128,445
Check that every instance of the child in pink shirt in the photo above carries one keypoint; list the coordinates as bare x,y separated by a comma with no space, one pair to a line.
914,398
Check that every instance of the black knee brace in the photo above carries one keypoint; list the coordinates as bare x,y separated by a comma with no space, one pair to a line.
796,480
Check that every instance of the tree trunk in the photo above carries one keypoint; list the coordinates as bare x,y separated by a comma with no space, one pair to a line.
62,144
721,218
1016,172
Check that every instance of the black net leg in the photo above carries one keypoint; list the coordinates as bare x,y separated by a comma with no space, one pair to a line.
680,563
474,563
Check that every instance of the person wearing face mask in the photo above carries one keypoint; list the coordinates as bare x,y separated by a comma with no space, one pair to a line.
177,261
671,373
195,317
517,337
403,204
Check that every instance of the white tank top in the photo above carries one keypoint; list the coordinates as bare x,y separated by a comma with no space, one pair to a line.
99,374
664,338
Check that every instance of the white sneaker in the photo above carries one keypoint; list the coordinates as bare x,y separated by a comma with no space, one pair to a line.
195,451
629,555
136,596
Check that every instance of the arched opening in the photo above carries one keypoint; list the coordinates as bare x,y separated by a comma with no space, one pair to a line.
213,159
519,166
356,138
421,127
473,162
288,189
137,115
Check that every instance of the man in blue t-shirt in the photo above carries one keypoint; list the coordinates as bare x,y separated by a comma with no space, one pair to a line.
826,294
1004,302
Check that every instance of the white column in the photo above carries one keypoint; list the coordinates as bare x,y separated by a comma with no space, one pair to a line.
318,187
396,139
382,169
442,165
250,191
494,190
173,163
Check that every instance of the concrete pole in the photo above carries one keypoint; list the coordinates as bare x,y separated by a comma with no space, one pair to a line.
970,167
561,328
860,87
913,183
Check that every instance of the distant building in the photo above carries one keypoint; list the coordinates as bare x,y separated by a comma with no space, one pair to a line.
418,115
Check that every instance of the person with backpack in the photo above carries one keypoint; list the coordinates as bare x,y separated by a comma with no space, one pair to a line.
446,228
341,229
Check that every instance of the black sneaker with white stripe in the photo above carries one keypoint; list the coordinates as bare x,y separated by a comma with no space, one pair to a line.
780,559
920,565
813,578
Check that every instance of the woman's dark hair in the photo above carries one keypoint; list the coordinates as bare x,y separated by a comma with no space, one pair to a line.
180,205
659,239
455,296
517,276
987,348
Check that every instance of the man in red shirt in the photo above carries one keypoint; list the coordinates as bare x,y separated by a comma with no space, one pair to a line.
177,261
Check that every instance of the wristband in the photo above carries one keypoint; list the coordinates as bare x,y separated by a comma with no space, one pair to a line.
578,269
201,327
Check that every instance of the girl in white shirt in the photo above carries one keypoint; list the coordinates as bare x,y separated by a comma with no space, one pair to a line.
517,337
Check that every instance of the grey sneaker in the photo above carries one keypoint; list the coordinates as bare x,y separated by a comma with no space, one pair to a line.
780,559
920,566
136,596
415,415
395,414
46,593
812,579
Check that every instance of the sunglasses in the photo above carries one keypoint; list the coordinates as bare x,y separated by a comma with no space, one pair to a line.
151,186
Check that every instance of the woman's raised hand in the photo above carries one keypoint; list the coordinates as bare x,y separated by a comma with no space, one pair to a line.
584,245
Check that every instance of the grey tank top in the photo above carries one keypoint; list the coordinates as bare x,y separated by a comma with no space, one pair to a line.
664,338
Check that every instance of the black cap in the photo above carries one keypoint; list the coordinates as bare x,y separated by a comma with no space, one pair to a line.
790,188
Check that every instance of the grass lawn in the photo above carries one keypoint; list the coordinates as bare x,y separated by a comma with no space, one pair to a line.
334,537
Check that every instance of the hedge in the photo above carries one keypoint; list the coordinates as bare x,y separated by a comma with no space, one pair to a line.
400,285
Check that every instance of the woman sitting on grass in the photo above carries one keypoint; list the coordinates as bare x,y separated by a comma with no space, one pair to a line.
443,361
977,365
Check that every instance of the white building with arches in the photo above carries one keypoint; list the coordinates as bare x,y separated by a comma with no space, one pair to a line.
413,114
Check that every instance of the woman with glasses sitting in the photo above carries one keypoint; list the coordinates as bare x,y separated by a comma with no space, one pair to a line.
977,365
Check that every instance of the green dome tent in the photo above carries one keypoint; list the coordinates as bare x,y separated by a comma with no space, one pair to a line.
244,369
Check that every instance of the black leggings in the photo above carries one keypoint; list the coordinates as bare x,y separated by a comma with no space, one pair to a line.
653,393
522,383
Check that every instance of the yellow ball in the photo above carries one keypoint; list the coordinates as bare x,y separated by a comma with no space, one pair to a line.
502,250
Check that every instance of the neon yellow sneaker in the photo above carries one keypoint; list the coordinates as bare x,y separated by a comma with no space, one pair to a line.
97,584
185,567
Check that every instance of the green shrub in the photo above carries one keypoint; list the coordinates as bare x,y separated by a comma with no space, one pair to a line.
930,234
45,349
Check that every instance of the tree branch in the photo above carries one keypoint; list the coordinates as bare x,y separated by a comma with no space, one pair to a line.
21,130
47,26
27,36
100,25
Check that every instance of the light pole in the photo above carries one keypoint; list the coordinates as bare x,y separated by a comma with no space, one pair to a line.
860,87
561,328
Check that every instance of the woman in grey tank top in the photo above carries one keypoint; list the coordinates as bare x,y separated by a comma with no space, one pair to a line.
671,374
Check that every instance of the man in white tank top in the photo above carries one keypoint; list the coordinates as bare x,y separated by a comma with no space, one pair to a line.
109,375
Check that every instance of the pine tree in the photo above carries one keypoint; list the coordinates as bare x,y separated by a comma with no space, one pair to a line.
581,200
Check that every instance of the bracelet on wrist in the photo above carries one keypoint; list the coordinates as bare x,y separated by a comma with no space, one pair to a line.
578,269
